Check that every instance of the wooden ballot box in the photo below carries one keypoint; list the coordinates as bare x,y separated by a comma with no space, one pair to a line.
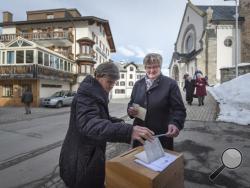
124,172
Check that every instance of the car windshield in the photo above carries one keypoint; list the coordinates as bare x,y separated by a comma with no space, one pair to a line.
58,94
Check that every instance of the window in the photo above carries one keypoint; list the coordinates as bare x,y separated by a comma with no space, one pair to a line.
122,83
122,75
228,42
131,68
61,64
20,56
119,91
83,69
65,66
40,58
68,67
131,76
57,63
131,83
117,84
189,43
46,59
3,58
88,69
51,85
7,90
50,16
140,76
52,61
10,57
29,56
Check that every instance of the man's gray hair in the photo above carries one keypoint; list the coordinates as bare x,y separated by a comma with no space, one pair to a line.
107,69
152,58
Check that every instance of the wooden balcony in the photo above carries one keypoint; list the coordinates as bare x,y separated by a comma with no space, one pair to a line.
39,36
34,71
67,54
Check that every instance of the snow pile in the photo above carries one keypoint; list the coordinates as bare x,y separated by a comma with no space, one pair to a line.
234,99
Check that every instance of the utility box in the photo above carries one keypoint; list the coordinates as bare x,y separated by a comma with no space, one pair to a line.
123,172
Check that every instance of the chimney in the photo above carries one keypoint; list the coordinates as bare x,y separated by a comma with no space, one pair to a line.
7,16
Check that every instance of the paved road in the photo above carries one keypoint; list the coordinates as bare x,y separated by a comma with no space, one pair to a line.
202,142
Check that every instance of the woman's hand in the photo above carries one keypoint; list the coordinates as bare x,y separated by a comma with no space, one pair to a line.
173,131
142,133
132,111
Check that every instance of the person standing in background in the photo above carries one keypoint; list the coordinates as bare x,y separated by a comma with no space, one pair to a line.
201,92
27,99
189,89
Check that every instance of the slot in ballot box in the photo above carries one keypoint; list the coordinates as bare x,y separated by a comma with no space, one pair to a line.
123,172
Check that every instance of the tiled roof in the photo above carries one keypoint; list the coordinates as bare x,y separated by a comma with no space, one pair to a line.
221,12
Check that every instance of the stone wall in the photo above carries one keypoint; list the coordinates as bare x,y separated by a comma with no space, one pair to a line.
229,73
245,30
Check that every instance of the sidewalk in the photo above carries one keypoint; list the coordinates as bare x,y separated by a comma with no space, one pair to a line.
207,112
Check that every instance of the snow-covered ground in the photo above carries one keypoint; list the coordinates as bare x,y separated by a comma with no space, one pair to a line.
234,100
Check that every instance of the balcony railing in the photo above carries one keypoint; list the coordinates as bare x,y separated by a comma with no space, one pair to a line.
67,54
55,35
33,71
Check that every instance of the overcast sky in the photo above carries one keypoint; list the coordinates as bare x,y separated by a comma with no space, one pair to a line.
138,26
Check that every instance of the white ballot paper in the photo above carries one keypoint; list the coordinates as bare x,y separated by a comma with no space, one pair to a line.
154,157
152,151
141,111
159,164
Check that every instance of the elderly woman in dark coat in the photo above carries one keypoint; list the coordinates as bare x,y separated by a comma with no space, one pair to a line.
82,158
161,97
189,89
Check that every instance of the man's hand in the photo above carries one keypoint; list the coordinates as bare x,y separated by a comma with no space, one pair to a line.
173,131
132,111
142,133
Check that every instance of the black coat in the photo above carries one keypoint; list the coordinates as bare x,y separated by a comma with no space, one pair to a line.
82,158
27,97
189,87
164,106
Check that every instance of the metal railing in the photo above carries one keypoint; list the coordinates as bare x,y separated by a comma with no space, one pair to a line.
38,36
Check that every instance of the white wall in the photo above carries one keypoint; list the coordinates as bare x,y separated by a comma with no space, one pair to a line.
96,29
225,55
81,31
194,19
46,92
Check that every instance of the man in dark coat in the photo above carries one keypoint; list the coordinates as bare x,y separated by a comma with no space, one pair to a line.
161,97
82,158
27,99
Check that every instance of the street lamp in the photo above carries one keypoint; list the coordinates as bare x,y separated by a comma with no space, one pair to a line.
237,37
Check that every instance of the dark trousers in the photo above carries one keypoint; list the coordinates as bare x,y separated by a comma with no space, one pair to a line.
201,100
27,108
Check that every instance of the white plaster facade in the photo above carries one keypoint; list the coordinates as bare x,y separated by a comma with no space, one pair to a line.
129,74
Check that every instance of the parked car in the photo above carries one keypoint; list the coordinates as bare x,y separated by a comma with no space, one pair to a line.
59,99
